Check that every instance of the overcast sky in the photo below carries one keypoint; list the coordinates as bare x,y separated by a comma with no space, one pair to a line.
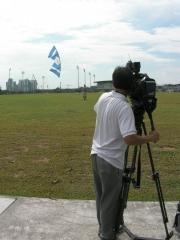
96,35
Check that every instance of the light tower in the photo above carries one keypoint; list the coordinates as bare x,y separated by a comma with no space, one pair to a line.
94,77
84,76
89,79
43,77
78,74
22,75
9,73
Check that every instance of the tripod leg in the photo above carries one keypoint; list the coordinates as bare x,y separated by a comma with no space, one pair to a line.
158,187
124,194
124,191
127,179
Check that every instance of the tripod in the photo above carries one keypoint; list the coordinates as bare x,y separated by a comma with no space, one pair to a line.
128,178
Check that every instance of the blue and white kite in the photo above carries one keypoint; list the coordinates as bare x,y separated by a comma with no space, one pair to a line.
56,66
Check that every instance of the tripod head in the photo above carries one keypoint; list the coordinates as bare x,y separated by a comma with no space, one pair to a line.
140,107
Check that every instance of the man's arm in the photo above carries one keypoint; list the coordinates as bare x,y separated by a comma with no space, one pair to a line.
135,139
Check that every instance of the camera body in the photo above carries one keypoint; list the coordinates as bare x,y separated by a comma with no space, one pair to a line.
143,89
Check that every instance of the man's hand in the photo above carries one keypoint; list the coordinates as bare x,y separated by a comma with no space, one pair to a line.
155,136
138,140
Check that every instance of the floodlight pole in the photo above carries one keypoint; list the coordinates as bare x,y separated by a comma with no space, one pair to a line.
9,73
43,77
78,74
89,79
84,76
22,75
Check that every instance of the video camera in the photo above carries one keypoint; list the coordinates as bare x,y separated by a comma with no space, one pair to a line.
143,91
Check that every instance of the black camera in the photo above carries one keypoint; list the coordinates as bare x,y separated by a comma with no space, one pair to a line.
143,89
142,93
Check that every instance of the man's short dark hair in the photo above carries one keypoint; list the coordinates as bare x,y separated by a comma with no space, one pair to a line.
122,78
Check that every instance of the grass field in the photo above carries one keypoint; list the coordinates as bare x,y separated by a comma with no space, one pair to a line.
45,142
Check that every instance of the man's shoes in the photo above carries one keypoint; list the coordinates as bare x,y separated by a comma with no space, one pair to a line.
119,230
108,239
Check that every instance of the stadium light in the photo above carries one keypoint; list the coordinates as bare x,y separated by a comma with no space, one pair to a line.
84,76
94,77
89,79
78,74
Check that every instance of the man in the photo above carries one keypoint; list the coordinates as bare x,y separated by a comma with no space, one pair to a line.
114,131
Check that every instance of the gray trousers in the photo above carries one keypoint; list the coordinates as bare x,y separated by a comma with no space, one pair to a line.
107,185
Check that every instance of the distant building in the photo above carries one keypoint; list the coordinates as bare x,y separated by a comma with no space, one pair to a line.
105,85
11,85
33,85
25,85
169,88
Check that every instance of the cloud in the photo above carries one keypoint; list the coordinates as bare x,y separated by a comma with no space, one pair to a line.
90,33
166,39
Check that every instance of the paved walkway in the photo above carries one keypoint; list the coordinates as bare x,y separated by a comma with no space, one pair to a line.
46,219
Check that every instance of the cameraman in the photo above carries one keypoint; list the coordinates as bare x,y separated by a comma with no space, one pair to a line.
115,129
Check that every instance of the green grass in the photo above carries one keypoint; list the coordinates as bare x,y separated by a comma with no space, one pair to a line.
45,142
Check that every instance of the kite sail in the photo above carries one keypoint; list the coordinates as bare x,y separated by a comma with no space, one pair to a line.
56,66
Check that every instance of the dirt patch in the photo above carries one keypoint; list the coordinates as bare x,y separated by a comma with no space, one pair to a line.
25,149
43,145
10,159
167,148
19,174
43,160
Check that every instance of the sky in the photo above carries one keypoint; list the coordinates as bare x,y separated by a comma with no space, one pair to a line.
96,35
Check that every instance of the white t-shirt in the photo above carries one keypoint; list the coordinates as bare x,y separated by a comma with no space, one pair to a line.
114,121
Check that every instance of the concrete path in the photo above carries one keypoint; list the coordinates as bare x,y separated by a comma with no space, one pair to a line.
46,219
